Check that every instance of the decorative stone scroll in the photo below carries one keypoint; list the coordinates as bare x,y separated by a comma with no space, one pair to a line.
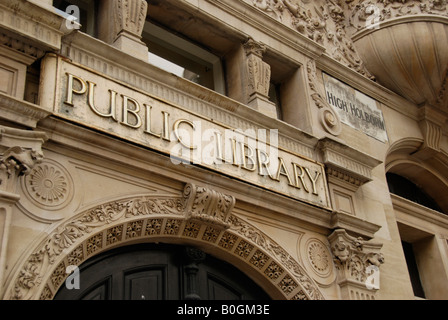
199,215
328,118
208,205
357,262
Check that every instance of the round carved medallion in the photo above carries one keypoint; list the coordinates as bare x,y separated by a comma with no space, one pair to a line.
49,185
319,257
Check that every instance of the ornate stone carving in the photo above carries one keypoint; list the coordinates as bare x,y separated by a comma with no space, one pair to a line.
328,118
49,185
319,256
208,205
324,22
22,151
353,257
406,47
257,78
366,13
147,219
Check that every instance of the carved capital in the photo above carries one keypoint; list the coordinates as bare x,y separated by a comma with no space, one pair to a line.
253,47
21,151
354,259
208,205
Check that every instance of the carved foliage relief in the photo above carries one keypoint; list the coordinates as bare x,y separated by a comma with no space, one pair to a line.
321,21
331,23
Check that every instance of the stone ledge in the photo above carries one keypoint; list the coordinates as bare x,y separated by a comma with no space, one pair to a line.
21,112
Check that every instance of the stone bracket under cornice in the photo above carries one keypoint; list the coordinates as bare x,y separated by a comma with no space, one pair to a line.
432,122
346,163
31,28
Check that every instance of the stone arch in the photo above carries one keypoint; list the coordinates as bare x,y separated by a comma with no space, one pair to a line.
200,217
428,174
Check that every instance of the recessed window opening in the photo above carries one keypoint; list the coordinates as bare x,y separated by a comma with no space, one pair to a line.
87,13
183,58
414,274
404,188
274,96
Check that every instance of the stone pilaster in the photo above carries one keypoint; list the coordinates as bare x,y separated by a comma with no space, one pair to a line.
357,262
20,150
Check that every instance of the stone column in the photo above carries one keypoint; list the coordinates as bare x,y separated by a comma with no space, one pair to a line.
258,77
121,24
357,262
20,150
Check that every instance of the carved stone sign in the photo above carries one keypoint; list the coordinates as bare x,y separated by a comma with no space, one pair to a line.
253,156
355,109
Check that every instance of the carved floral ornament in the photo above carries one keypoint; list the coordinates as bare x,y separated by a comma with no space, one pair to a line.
331,23
199,214
353,256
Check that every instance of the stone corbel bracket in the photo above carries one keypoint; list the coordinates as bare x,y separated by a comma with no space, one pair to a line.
356,261
345,163
208,205
20,150
432,122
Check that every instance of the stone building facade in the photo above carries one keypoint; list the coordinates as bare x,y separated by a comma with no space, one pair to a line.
303,143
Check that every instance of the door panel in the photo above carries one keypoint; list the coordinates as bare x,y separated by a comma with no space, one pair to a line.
145,284
100,292
218,290
159,272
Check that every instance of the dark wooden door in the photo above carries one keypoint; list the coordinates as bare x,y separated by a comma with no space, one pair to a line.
160,272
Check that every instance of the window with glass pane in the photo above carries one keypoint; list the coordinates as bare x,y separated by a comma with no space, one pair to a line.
183,58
